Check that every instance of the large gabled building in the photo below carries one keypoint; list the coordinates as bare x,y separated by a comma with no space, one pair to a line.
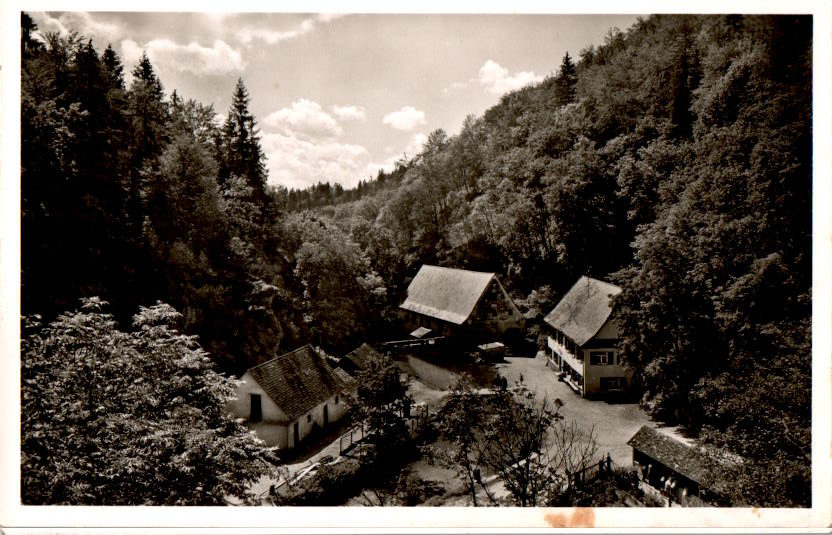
287,397
582,339
460,303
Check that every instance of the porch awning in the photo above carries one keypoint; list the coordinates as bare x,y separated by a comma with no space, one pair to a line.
420,332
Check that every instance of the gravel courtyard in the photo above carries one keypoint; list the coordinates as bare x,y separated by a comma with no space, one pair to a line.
615,423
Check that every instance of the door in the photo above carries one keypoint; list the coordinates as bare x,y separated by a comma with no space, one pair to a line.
295,434
326,416
256,413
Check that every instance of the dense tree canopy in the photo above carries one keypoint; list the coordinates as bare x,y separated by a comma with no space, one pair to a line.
128,418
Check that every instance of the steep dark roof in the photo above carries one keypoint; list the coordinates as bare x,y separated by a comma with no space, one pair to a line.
681,458
446,293
344,375
297,381
362,356
583,310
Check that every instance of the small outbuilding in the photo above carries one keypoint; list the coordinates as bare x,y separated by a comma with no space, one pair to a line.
359,359
684,473
287,397
582,339
460,303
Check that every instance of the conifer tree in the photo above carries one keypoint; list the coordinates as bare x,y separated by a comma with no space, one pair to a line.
113,68
566,81
243,155
149,115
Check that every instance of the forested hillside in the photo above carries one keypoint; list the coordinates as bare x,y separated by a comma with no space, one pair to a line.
136,196
675,160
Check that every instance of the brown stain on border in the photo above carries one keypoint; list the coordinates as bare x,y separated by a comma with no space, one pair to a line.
581,517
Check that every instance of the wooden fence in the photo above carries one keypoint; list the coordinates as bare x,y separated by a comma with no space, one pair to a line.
587,473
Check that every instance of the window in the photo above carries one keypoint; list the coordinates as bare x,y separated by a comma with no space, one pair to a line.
601,358
308,418
256,413
613,383
336,399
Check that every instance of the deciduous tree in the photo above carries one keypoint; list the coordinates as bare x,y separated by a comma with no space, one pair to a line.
128,418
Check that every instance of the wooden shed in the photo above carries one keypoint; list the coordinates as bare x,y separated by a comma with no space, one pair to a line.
693,472
359,359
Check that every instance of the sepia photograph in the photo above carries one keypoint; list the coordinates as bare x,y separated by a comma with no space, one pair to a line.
560,266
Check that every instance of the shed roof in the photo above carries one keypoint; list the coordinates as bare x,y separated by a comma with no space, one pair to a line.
583,310
297,381
362,356
679,457
344,375
444,293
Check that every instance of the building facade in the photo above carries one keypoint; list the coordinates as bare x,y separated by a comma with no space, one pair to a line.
582,338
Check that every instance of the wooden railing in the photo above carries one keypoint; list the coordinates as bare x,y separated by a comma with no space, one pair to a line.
411,343
588,473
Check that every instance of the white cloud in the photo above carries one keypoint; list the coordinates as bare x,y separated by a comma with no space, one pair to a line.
329,17
388,165
416,144
219,59
414,147
81,22
248,35
305,119
298,163
497,79
350,112
406,118
456,86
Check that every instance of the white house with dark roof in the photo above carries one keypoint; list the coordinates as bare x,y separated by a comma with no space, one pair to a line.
582,339
452,302
287,397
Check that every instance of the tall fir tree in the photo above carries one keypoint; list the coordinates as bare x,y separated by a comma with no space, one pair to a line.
149,115
567,81
113,68
242,154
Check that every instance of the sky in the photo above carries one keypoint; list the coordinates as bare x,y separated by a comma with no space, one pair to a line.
337,97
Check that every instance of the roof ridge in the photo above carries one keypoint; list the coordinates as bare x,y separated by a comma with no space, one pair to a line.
492,273
601,281
283,355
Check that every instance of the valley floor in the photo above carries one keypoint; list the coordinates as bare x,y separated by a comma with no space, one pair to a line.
614,423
